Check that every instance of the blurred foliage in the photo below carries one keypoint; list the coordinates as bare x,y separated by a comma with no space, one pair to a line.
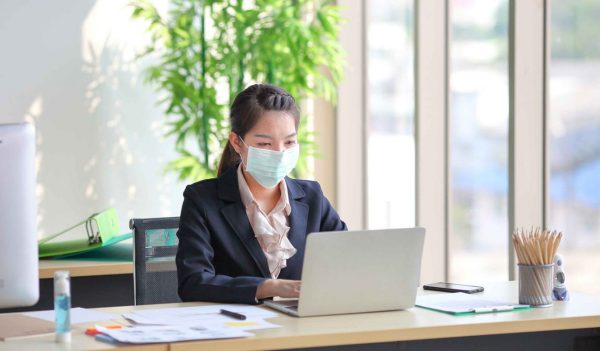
575,29
210,50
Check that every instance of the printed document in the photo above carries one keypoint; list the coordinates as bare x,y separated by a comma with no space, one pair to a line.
168,333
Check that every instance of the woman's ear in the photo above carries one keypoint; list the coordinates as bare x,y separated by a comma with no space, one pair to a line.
234,140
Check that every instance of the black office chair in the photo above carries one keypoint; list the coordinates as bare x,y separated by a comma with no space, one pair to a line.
155,246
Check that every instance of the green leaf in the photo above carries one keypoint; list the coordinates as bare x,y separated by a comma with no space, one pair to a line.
327,26
261,40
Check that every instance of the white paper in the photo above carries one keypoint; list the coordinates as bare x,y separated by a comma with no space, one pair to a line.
168,333
460,302
78,315
205,316
248,324
177,315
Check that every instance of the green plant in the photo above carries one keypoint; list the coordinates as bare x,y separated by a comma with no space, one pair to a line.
208,51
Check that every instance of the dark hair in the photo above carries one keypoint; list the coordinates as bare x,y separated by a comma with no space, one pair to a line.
247,108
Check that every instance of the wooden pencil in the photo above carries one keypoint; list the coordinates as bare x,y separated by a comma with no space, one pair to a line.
536,247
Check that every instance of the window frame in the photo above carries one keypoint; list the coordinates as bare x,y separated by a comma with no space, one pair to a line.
528,149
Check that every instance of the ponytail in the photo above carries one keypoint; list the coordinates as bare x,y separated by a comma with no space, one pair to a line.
229,159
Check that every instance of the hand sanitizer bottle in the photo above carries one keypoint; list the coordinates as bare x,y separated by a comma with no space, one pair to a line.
62,306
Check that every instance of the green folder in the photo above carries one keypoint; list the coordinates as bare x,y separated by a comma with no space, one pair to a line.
102,230
460,304
116,251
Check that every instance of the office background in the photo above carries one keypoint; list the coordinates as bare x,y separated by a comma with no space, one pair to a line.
69,68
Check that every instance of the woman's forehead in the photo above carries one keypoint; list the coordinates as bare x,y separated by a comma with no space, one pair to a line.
274,124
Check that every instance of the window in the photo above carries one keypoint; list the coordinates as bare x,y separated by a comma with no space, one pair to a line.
478,143
390,118
478,147
574,139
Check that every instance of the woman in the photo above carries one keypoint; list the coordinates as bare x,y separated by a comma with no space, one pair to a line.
242,234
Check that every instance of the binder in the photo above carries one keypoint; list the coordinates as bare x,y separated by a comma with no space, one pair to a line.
121,251
101,230
465,304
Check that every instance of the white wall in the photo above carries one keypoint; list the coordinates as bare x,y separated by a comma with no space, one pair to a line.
68,67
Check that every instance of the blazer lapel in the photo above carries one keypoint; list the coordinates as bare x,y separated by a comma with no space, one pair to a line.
235,214
299,214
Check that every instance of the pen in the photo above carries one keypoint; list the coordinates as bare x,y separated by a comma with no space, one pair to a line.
233,314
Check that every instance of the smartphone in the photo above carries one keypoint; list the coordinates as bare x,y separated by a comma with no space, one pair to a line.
450,287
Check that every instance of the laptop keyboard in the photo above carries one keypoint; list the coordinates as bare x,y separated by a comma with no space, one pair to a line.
291,305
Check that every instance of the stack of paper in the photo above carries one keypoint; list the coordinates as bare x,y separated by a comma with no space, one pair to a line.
188,323
144,334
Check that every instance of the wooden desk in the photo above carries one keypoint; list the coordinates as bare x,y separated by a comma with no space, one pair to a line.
83,268
416,329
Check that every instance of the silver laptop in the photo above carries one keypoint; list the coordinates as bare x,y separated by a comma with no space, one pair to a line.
358,271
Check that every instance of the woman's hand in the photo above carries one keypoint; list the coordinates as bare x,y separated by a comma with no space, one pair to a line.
278,287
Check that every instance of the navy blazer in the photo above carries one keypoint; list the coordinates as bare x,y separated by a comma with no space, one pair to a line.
219,258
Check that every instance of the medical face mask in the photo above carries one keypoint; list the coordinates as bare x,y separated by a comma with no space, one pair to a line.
269,167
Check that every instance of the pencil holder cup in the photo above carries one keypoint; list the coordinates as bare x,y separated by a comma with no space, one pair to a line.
535,285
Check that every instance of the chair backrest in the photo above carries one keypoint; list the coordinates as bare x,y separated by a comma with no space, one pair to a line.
155,246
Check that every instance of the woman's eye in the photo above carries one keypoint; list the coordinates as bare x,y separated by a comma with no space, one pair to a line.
263,144
290,142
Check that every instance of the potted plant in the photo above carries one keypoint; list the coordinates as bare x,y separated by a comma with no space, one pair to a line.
208,51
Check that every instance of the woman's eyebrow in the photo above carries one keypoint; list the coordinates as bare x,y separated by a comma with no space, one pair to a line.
266,136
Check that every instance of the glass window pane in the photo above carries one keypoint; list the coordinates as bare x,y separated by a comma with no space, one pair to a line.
391,149
574,139
478,141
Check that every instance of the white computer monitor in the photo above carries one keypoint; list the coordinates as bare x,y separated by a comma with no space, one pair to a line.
19,284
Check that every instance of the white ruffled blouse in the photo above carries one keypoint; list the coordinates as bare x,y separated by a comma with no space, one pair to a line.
270,229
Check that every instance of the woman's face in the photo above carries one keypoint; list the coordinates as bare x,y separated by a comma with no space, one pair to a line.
275,130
